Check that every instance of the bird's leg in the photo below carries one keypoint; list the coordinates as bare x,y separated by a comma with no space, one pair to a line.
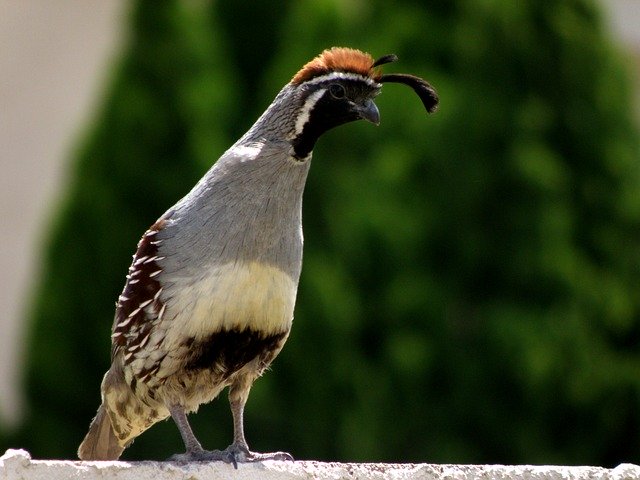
238,395
191,443
194,451
239,451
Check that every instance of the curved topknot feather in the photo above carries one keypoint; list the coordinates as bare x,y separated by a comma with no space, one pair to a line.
350,60
337,59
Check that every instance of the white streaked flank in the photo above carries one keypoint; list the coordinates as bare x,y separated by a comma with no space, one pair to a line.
140,260
145,303
125,323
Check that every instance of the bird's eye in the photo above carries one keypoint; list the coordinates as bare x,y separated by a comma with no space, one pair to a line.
337,91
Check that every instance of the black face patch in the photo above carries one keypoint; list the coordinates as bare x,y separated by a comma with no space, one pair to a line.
337,106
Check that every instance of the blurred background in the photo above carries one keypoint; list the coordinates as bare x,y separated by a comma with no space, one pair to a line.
471,286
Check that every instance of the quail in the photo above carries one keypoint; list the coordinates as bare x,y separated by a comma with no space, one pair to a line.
209,298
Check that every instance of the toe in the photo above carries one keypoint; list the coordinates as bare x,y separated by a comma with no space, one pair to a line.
281,456
232,458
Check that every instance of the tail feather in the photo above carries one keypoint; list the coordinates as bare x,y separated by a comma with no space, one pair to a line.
101,442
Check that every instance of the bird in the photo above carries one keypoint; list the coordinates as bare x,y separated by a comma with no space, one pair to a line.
209,298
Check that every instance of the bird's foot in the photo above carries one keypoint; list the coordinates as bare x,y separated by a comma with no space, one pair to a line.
199,456
233,454
237,453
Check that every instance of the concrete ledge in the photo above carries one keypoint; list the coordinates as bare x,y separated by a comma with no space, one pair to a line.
18,465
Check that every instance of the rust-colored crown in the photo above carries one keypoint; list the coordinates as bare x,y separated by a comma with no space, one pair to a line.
337,59
350,60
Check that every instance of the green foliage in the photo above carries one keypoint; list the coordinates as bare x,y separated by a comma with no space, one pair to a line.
470,286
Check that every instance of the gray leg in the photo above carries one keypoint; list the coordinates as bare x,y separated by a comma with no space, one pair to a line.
238,395
191,443
194,451
239,449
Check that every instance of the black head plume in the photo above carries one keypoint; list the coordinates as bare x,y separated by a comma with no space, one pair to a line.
425,91
385,59
349,60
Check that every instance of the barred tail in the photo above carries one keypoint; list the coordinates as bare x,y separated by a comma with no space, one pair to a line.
101,442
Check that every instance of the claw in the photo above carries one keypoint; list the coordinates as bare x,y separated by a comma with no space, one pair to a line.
231,458
282,456
240,454
233,455
199,456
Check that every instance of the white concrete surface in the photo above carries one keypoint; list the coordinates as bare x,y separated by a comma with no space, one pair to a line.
18,465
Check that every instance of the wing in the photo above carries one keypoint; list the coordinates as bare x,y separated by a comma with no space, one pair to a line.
139,308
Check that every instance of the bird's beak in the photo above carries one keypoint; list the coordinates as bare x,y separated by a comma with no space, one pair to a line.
369,112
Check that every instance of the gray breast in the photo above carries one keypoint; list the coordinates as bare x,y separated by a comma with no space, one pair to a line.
246,208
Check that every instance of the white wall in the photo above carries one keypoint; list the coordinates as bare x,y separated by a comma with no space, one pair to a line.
53,59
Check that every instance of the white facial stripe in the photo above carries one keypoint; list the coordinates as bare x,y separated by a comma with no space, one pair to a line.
310,102
342,76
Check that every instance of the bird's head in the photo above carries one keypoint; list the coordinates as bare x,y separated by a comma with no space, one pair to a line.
338,86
